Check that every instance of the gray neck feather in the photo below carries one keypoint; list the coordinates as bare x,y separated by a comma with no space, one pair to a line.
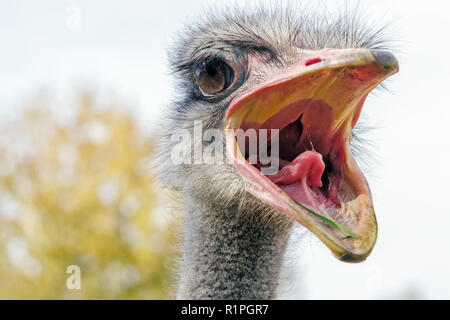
230,255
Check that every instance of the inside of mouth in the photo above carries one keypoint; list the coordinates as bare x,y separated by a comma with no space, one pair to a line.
309,160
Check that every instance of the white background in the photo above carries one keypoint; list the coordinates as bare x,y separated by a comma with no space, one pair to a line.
119,49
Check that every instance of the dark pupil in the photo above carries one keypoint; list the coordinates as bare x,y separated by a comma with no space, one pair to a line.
213,78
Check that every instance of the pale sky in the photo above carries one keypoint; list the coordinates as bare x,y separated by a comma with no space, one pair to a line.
119,48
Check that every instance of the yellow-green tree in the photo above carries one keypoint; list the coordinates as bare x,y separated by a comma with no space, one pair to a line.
79,193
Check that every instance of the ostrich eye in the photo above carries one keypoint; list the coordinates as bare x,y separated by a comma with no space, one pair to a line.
214,76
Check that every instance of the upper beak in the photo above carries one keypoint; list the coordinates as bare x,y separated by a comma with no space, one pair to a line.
327,89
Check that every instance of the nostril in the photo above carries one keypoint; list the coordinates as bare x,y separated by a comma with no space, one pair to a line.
312,61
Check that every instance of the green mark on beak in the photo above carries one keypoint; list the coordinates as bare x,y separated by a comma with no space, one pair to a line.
330,222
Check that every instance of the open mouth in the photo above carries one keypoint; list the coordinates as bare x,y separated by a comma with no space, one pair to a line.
310,110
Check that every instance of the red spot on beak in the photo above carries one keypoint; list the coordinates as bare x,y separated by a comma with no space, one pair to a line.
312,61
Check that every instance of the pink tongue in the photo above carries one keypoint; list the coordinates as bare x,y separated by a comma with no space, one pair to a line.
308,165
297,178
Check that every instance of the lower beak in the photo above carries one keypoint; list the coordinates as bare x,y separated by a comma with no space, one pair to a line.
320,185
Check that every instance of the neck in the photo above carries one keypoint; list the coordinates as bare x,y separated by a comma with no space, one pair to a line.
230,255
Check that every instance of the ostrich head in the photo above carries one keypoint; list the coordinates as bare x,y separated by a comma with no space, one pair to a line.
305,75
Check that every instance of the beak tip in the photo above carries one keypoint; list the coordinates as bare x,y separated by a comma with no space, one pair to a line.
386,59
350,258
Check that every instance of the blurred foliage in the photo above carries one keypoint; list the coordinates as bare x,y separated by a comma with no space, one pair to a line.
78,192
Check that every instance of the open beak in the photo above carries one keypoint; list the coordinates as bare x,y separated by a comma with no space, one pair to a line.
310,109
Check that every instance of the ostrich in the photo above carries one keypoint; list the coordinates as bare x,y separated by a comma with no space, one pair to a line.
305,75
